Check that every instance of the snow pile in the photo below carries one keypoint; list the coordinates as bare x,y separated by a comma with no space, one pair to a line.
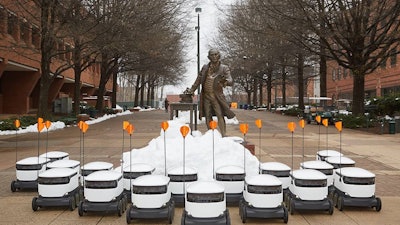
198,150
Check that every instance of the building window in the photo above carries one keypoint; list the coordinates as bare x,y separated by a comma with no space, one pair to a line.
345,71
383,63
393,58
35,37
11,22
333,74
25,32
339,73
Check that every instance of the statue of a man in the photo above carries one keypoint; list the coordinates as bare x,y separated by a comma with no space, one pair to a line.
213,77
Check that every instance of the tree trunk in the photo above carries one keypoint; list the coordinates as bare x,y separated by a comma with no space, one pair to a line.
300,78
47,44
358,93
137,89
77,74
114,90
142,86
260,87
269,87
255,88
283,86
248,97
322,73
77,89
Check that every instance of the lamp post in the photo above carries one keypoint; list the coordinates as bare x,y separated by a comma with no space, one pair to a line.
198,11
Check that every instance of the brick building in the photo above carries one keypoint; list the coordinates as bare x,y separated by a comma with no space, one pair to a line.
383,81
20,73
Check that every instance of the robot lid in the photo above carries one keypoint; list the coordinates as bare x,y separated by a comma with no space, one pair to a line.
98,165
139,167
179,171
329,152
263,180
316,164
340,160
274,166
308,174
104,175
55,155
68,163
355,172
33,161
204,187
151,180
230,169
57,172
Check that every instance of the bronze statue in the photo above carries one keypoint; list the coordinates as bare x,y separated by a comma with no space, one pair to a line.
213,77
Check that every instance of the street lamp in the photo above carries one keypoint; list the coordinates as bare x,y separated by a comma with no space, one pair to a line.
198,11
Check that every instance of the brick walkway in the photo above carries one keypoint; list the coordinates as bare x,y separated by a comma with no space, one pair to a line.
103,141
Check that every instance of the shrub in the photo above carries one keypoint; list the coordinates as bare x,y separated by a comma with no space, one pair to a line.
352,121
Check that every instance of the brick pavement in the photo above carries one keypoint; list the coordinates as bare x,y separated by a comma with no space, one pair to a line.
103,141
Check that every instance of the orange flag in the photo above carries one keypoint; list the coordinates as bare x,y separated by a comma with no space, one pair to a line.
244,127
291,126
213,124
338,126
259,123
318,118
325,122
17,123
184,130
164,125
130,129
302,123
85,127
80,124
125,124
47,124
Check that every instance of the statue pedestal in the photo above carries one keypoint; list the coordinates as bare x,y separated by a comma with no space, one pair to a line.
192,107
249,146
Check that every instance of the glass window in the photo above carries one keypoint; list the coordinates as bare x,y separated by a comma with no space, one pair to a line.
101,184
55,180
257,189
359,180
383,63
393,57
134,175
230,177
182,178
87,172
150,190
326,171
206,197
310,183
284,173
35,37
337,165
29,167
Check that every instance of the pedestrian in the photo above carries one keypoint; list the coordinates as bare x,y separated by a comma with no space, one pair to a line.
166,104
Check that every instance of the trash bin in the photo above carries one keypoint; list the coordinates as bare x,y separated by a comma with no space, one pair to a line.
392,127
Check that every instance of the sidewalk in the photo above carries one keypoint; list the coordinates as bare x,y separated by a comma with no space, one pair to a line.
104,141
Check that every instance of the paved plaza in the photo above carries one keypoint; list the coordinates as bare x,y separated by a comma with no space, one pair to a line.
104,141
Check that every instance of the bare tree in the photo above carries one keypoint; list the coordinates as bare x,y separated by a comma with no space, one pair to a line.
358,35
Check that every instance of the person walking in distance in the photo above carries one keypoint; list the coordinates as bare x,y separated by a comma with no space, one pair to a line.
213,78
166,104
